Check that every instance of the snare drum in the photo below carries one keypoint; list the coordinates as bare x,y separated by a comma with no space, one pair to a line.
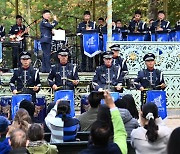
40,108
66,95
16,100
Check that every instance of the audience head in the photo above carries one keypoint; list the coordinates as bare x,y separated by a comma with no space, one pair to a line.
4,123
35,132
174,142
22,119
149,115
105,116
100,133
28,106
63,108
128,103
94,102
18,139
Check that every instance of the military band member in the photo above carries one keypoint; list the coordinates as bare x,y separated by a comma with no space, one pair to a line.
118,60
18,33
86,25
2,33
177,26
150,77
64,73
108,75
137,25
46,39
25,79
160,24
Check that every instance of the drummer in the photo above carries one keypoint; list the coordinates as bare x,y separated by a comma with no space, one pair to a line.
64,73
25,79
107,76
150,78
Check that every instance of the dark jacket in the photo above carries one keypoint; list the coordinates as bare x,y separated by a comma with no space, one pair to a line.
22,150
141,26
57,73
112,148
100,79
46,30
165,25
144,79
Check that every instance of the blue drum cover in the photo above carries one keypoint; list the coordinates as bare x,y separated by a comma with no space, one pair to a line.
177,36
66,95
16,99
114,95
159,98
136,37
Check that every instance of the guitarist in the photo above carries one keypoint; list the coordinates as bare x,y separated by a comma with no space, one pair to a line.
17,33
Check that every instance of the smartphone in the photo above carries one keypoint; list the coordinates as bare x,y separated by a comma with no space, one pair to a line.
97,95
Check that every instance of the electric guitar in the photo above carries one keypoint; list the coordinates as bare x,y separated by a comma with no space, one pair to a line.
18,36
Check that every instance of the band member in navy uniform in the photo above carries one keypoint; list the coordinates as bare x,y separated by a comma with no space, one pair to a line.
177,26
160,24
46,39
25,79
18,33
64,73
86,25
2,33
118,60
108,75
150,78
137,25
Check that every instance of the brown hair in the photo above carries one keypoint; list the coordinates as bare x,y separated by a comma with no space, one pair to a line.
35,132
22,120
18,138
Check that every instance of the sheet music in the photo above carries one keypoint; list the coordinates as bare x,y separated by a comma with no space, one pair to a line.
59,35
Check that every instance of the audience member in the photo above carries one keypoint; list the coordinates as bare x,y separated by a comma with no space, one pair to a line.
86,119
29,107
129,104
150,137
100,133
62,126
174,142
36,143
4,144
130,123
4,123
18,141
22,120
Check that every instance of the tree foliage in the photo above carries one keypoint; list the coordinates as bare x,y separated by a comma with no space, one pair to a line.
70,12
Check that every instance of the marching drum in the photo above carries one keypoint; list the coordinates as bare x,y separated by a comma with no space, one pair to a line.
40,108
16,100
66,95
159,98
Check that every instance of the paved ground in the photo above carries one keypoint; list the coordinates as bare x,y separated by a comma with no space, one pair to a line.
173,119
